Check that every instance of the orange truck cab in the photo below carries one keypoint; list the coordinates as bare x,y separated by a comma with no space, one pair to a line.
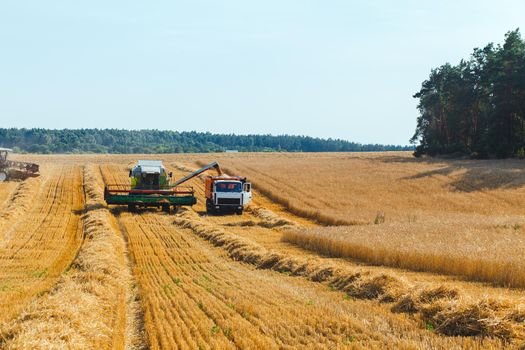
226,194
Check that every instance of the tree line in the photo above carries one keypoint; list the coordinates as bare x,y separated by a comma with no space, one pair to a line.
477,107
157,141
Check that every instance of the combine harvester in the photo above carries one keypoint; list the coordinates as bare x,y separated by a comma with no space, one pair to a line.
11,170
151,187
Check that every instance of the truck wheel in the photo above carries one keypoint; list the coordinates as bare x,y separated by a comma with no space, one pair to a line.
238,212
210,209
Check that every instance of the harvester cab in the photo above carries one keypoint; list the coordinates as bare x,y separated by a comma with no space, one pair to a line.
15,170
150,175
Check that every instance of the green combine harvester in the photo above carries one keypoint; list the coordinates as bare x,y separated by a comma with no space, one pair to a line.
150,187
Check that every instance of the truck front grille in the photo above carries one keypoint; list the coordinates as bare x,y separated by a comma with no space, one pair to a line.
229,201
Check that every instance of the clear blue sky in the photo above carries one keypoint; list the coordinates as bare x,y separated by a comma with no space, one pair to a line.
342,69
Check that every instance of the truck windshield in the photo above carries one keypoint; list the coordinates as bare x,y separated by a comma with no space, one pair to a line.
228,187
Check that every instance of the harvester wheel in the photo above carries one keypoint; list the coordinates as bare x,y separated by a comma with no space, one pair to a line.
3,176
132,208
166,208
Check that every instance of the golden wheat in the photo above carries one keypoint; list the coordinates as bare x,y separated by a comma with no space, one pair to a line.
487,255
461,217
354,187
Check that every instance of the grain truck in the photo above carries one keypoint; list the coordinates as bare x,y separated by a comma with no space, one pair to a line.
224,194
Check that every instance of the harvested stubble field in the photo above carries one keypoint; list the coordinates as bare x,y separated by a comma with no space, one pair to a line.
40,234
275,277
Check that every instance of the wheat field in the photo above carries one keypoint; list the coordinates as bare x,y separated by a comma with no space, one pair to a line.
455,217
357,251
